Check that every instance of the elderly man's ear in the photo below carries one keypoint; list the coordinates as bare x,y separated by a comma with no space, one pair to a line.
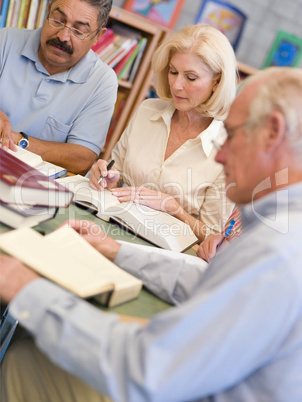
276,131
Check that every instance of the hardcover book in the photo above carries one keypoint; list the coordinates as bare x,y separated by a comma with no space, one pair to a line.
34,160
159,228
22,184
23,216
65,258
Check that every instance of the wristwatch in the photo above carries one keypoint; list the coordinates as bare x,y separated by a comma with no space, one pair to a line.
23,142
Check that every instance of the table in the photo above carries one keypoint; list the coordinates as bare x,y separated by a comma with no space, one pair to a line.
146,305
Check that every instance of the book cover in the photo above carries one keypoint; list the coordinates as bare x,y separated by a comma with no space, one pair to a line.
159,228
75,265
23,184
35,160
23,216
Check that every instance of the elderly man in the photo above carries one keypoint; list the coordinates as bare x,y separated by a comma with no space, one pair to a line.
57,97
236,331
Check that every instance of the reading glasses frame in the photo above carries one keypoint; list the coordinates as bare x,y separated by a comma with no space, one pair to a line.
76,33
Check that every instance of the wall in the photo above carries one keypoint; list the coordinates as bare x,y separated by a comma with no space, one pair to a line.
265,19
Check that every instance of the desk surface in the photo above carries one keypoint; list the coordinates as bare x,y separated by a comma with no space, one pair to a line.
147,304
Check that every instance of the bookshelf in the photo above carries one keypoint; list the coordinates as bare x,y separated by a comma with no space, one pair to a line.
133,93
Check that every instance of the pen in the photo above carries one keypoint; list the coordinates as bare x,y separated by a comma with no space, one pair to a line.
227,232
109,166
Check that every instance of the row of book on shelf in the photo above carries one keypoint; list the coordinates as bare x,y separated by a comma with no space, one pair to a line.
122,49
22,13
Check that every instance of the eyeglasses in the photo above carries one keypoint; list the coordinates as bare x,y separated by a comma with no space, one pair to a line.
230,131
73,31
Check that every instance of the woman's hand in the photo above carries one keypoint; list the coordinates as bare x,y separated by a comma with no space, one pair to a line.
151,198
110,177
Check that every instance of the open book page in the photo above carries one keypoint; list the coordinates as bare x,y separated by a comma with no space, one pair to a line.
87,196
157,227
67,259
34,160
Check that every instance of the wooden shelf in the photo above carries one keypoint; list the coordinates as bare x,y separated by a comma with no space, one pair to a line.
135,92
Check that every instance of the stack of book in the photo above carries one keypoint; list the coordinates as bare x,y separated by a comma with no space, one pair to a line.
122,49
27,195
22,13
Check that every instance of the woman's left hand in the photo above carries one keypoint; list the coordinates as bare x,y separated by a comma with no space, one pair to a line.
151,198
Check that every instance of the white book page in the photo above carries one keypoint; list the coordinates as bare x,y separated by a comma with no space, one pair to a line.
101,200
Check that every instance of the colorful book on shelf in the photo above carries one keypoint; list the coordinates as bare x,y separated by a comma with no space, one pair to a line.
34,160
159,228
23,13
32,15
124,73
137,61
121,64
104,41
24,216
123,51
41,13
65,258
13,19
22,184
3,13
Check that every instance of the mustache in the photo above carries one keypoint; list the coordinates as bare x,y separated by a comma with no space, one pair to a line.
61,45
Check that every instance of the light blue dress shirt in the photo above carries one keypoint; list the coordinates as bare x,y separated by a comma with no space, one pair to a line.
74,106
234,335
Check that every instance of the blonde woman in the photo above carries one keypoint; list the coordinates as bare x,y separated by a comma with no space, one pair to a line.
166,155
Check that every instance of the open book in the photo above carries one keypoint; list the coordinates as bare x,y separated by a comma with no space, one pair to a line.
157,227
37,162
65,258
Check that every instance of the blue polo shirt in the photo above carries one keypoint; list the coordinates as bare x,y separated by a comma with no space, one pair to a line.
74,106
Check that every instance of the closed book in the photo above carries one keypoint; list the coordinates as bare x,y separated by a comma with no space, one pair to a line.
23,216
35,160
67,259
23,184
157,227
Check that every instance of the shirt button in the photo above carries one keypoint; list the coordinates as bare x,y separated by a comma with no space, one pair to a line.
47,80
25,314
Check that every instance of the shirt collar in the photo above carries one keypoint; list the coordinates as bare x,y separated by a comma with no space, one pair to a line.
78,73
287,198
205,137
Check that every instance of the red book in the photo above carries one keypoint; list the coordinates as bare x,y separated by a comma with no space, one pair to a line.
120,65
104,41
23,184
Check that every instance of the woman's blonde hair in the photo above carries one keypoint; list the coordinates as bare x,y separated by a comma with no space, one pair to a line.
215,51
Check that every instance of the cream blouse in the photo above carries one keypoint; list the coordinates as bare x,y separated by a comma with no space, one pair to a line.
190,174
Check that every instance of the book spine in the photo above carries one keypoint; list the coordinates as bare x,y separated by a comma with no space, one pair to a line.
3,14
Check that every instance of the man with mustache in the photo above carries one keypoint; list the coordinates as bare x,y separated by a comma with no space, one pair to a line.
236,331
57,97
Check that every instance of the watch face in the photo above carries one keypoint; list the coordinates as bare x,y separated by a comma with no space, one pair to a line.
23,143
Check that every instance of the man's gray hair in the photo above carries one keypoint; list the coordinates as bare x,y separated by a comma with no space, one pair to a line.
280,90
